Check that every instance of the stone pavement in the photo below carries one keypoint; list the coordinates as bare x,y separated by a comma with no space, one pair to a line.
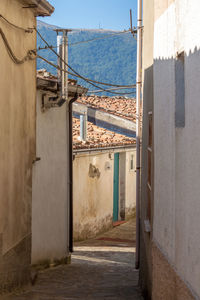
101,268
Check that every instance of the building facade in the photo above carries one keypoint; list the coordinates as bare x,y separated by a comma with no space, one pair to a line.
17,121
170,256
104,190
103,179
50,203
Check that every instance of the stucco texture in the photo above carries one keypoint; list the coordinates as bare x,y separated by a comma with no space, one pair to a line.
50,191
93,191
177,164
145,238
17,151
167,285
93,194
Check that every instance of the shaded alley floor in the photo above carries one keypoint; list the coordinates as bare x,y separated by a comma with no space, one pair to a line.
101,268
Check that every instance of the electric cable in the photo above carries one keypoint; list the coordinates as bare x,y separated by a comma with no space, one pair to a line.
99,38
57,67
29,30
76,74
82,42
111,89
16,60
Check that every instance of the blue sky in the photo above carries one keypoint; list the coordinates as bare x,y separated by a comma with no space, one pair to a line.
92,14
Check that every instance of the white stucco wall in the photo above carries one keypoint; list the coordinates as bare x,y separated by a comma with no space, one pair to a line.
177,162
93,196
49,204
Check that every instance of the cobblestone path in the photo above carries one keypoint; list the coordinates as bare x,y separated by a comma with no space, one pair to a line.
102,268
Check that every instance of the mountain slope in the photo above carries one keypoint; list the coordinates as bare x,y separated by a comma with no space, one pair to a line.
111,59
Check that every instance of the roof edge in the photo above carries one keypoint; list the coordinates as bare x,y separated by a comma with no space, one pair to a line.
41,7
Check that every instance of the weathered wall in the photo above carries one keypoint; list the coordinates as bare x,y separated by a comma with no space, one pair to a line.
145,238
17,151
130,192
177,164
49,205
93,192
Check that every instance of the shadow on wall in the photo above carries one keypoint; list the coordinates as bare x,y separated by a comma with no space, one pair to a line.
145,238
171,92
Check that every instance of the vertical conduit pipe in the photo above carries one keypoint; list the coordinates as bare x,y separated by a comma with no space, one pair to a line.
70,151
138,124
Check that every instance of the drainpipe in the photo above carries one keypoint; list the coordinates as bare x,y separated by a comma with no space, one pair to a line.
71,172
138,124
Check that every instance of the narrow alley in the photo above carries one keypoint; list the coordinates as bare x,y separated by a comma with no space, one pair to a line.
101,268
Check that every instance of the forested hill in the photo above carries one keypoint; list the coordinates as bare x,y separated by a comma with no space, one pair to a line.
112,59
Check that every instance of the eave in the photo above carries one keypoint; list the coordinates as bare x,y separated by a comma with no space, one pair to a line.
40,7
52,85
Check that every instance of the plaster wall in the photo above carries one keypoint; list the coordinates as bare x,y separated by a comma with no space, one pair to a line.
93,192
145,272
49,206
17,151
177,164
130,192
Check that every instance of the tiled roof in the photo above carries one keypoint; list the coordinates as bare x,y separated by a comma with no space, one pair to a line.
46,80
44,74
120,106
98,137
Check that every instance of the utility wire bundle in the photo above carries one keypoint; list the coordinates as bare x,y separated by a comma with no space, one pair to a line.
76,74
32,54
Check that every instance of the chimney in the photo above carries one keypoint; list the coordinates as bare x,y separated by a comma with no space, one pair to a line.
83,127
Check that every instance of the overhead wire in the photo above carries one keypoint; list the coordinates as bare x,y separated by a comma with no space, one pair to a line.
59,68
76,74
29,56
119,88
86,41
99,38
29,30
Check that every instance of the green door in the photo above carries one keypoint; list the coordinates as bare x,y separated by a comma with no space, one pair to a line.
116,188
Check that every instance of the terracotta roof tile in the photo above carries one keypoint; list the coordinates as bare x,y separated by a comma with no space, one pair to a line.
119,106
98,137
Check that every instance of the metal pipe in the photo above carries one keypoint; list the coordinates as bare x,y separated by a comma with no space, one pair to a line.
138,124
70,151
59,51
63,66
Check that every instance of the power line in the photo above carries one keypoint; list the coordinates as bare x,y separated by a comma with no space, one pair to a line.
76,74
29,30
99,38
87,41
111,89
57,67
16,60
